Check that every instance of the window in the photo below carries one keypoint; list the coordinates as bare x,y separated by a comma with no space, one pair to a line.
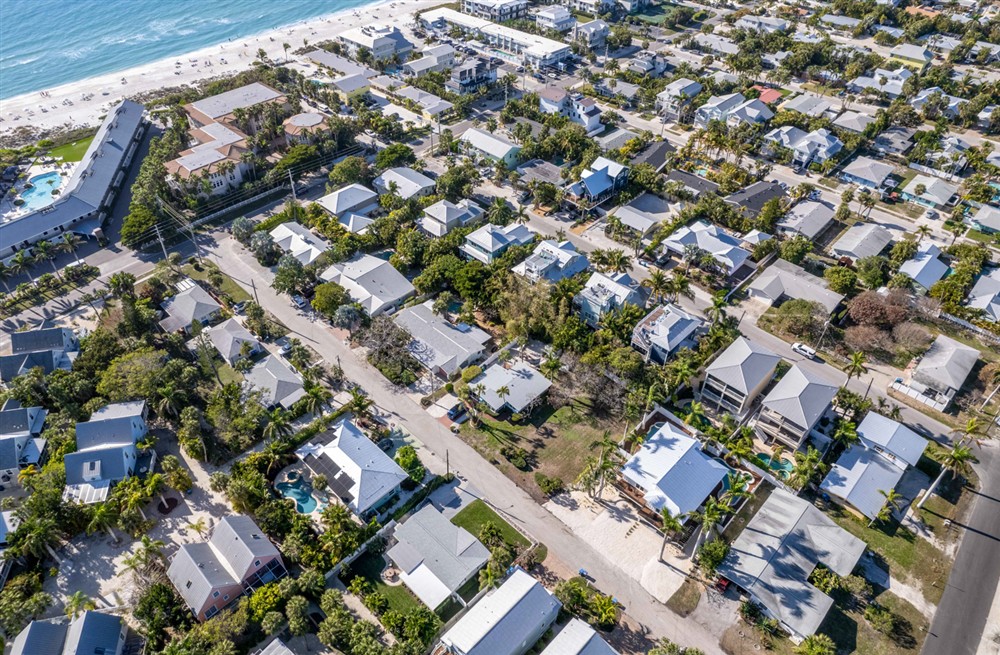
256,563
226,597
215,594
188,585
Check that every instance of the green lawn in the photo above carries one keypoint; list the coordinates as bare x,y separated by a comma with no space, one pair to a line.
72,151
227,373
370,567
478,513
557,442
229,286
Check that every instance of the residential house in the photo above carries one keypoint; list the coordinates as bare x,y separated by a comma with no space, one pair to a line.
750,201
794,406
434,59
305,128
862,240
777,552
936,193
276,647
853,121
490,241
556,18
648,63
576,107
625,93
21,443
874,465
191,304
470,76
407,182
233,341
807,218
382,42
106,452
717,108
87,196
279,384
986,219
674,102
350,87
428,105
47,348
947,105
816,147
592,7
299,242
490,146
237,559
656,155
761,24
984,119
362,477
444,216
941,372
339,65
705,236
607,293
735,378
372,282
781,139
840,23
951,157
985,295
578,638
515,387
440,346
912,56
868,173
693,185
435,557
592,34
497,11
750,112
808,104
664,331
671,472
895,141
715,44
351,199
889,82
602,180
615,138
90,633
552,261
509,620
783,280
643,213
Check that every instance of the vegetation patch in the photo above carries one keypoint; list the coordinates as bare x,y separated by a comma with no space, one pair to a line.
72,152
685,600
478,514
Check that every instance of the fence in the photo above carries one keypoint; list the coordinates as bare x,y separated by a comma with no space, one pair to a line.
927,170
971,327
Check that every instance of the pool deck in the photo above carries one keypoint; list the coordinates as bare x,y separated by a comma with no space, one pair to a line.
7,209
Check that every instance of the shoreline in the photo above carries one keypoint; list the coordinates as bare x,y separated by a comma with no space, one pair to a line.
26,117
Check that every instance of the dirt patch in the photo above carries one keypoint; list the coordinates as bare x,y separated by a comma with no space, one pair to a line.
167,505
685,600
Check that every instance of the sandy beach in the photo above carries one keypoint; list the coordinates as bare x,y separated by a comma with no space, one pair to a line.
82,103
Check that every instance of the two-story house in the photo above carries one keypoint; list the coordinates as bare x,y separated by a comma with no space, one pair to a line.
604,294
793,408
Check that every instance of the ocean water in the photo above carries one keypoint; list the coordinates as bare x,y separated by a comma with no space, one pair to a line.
44,43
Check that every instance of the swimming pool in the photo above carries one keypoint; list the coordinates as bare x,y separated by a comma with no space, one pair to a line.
40,193
783,467
300,492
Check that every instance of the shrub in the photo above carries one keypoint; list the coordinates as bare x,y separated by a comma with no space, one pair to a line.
880,618
376,603
710,556
549,486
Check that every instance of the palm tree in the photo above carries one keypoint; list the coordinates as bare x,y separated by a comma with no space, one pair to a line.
521,215
169,400
550,367
846,433
499,212
695,415
680,285
710,516
818,644
20,263
855,367
5,274
658,284
359,404
149,553
892,504
717,311
807,466
68,244
503,392
970,431
958,460
609,461
36,535
316,399
922,231
616,261
200,526
77,603
669,525
279,424
45,252
103,517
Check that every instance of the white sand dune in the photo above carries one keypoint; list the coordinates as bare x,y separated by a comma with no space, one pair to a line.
92,97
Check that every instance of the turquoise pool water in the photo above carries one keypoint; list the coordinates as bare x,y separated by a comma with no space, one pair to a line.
40,193
305,503
782,466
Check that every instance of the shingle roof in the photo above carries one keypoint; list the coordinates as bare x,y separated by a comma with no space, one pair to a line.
723,248
801,396
245,96
408,182
869,170
808,218
228,338
926,267
351,198
41,638
946,364
278,383
777,552
985,295
744,365
862,240
32,341
523,382
859,477
785,279
93,633
191,304
672,469
370,281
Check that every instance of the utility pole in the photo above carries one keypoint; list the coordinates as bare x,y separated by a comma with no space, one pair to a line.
253,285
160,237
447,464
292,182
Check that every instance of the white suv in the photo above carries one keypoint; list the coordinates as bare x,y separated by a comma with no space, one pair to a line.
804,350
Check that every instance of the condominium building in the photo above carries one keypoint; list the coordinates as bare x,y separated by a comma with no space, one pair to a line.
496,10
381,41
529,49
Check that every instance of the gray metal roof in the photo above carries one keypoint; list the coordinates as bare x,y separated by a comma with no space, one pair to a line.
93,633
438,343
108,432
41,638
429,539
801,396
862,240
946,364
807,218
32,341
240,542
744,365
370,281
276,647
778,550
278,383
859,477
195,571
109,462
523,383
22,420
785,279
89,184
128,408
191,304
578,638
12,366
245,96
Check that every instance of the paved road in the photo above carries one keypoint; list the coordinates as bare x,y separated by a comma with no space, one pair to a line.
958,625
572,551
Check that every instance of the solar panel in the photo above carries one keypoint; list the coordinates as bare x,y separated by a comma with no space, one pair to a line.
337,481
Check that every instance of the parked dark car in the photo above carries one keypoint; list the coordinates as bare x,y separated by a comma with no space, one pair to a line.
455,412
